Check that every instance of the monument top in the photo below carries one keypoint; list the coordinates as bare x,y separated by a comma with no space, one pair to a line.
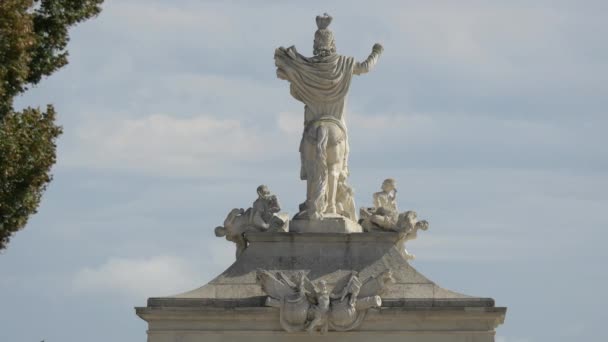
326,268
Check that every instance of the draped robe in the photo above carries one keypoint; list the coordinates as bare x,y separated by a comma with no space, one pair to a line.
321,83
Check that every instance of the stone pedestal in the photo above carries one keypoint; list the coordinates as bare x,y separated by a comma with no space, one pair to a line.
232,306
329,224
228,322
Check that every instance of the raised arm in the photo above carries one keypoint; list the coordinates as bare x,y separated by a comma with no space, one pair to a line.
368,64
280,55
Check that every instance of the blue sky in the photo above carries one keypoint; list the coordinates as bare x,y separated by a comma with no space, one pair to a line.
490,115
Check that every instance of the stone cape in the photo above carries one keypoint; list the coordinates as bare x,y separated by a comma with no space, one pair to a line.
232,307
325,79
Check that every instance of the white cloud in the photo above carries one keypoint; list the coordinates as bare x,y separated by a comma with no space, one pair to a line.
290,123
418,129
405,127
206,145
474,33
163,143
233,96
166,19
139,278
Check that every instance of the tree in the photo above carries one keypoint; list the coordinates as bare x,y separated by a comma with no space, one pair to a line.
33,42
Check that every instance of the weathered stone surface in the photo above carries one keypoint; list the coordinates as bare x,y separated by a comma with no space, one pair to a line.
322,256
232,306
329,224
390,324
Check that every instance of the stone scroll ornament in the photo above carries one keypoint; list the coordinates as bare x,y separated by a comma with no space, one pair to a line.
263,216
305,306
384,215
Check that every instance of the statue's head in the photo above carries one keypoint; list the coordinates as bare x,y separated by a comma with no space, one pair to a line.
263,192
389,185
324,44
323,287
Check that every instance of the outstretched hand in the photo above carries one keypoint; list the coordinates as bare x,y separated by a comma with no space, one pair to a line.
377,48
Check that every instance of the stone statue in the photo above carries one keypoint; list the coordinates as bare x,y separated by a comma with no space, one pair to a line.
306,306
384,214
408,225
345,199
322,82
262,216
319,310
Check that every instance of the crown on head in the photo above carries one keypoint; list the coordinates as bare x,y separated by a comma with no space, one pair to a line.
323,21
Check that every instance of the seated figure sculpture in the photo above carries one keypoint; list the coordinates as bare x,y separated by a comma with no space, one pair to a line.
262,216
384,215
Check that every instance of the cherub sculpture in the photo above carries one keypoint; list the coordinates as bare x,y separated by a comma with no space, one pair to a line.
345,199
262,216
307,306
319,311
384,215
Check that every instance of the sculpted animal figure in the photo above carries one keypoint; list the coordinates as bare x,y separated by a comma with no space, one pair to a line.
262,216
408,225
236,224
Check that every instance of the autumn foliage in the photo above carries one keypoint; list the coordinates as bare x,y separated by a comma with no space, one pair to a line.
33,41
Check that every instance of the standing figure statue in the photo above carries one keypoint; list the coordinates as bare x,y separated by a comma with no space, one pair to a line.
321,82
